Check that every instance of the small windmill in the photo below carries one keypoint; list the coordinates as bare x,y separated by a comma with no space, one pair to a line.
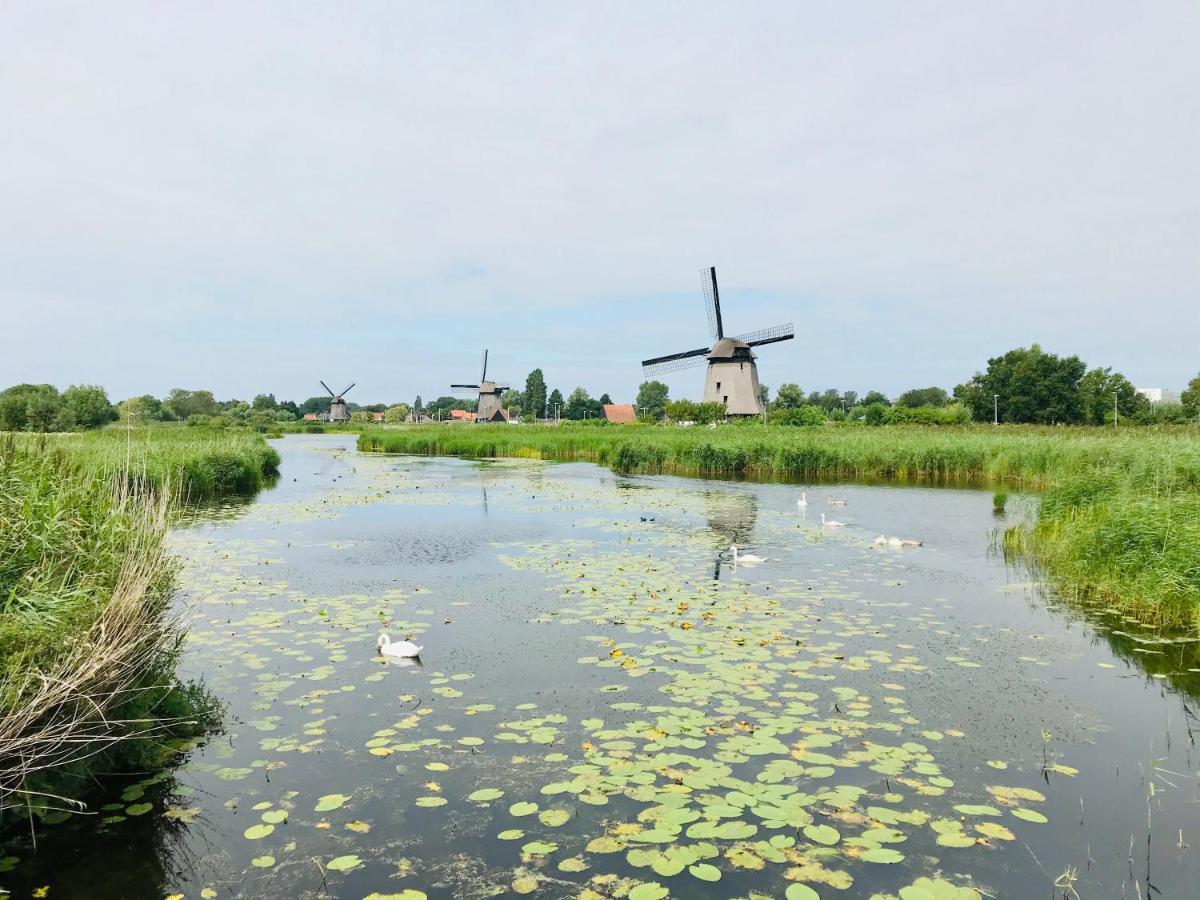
489,407
338,411
732,378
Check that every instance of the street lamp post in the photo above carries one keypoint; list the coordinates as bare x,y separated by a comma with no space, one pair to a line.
995,409
1115,412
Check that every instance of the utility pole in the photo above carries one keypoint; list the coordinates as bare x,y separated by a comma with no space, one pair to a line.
995,409
1115,413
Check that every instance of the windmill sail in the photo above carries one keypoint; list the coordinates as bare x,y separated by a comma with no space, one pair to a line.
331,393
771,335
674,362
712,302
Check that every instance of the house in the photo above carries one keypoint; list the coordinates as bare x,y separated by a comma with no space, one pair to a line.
620,412
376,417
462,415
310,417
1158,395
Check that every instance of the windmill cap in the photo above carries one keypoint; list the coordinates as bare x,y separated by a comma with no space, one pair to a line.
731,348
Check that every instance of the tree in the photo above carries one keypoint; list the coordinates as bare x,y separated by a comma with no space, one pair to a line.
579,405
183,403
265,401
418,411
534,400
789,396
700,413
314,405
87,405
605,400
850,399
33,407
764,394
1190,398
930,396
395,414
146,408
651,399
513,402
1032,385
554,402
1097,389
875,397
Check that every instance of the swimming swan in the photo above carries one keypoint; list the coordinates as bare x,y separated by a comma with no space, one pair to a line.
746,559
803,501
880,541
830,523
403,649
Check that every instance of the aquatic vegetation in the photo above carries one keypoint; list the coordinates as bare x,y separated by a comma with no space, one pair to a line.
1119,523
650,726
87,642
197,464
87,639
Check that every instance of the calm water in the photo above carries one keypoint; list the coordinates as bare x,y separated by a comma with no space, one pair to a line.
605,708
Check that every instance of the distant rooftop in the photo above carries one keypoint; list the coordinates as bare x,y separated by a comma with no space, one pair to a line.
620,412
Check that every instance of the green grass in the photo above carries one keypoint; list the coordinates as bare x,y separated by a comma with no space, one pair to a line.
1119,521
195,463
88,642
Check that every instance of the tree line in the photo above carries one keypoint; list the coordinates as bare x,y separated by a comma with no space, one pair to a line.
1026,385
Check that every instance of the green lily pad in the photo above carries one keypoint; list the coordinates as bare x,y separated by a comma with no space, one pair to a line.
344,863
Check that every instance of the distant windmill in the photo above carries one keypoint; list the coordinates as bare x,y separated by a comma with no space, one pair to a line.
489,408
338,411
732,378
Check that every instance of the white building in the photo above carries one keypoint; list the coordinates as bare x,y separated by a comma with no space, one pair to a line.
1158,395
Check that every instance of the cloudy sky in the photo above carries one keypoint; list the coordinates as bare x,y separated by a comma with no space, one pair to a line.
250,197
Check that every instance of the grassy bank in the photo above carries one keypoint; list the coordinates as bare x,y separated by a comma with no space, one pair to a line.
88,642
1119,521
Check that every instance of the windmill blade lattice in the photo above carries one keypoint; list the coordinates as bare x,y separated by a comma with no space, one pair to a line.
768,335
712,302
676,361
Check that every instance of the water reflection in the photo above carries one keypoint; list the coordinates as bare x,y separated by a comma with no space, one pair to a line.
731,519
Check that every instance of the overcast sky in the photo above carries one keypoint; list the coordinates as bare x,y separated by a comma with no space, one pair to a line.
250,197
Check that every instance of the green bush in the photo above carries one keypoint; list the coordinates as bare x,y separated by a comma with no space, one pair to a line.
806,415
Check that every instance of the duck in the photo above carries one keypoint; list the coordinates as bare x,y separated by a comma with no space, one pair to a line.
831,523
403,649
803,501
746,559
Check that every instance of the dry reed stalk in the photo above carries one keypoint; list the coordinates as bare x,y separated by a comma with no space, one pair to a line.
66,714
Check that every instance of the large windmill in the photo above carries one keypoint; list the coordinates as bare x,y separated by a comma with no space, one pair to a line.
338,411
489,408
732,378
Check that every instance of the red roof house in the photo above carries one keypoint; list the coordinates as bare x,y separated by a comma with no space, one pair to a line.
620,412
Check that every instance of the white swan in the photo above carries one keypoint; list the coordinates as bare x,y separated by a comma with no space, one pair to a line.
803,501
911,542
830,523
403,649
895,542
880,541
746,559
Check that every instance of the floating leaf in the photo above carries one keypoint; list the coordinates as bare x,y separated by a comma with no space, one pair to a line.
258,832
801,892
263,862
331,802
431,802
1029,815
822,834
539,848
705,872
484,795
522,808
882,855
344,863
554,817
648,890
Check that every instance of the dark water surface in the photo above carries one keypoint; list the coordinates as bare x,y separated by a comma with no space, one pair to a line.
596,715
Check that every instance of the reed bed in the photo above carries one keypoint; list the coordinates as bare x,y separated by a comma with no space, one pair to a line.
1119,520
88,637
